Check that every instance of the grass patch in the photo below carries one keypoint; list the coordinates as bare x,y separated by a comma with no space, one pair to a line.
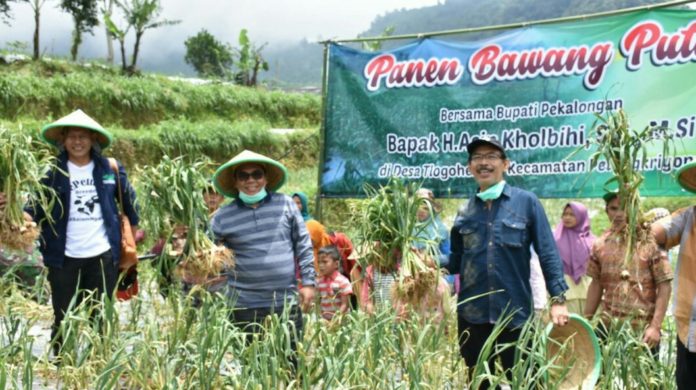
50,90
216,139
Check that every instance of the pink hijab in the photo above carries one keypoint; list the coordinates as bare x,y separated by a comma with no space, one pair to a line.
575,244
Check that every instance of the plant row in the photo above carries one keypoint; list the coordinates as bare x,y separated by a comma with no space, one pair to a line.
131,102
215,139
152,342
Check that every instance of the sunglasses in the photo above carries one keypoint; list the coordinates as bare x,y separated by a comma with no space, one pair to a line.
256,174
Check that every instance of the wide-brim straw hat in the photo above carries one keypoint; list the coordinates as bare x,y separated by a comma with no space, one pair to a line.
576,350
655,214
53,132
225,179
686,176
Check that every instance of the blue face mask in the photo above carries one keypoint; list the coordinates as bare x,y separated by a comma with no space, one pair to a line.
253,199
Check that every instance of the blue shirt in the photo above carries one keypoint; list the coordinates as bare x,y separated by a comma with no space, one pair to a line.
269,243
491,252
435,231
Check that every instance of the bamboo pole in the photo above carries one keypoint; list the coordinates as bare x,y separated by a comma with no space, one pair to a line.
322,133
513,25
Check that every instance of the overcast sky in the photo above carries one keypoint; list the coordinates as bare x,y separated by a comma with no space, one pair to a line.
272,21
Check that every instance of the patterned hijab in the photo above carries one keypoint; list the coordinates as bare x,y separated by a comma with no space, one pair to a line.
575,244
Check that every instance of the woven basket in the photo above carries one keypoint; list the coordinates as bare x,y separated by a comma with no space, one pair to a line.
576,350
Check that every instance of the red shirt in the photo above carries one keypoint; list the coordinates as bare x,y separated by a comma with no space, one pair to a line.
331,289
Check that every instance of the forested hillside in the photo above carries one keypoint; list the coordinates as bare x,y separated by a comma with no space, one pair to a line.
458,14
301,63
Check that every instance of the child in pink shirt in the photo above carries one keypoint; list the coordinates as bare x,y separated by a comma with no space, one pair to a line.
334,288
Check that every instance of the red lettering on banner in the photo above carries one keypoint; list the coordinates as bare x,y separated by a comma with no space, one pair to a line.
491,63
665,49
638,39
431,72
483,61
376,69
411,73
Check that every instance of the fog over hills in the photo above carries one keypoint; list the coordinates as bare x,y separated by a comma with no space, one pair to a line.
292,29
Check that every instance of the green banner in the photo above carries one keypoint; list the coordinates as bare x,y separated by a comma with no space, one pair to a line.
411,111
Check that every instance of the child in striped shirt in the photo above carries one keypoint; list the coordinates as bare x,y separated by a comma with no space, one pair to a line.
334,288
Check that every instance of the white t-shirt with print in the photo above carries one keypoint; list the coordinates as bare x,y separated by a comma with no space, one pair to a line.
86,233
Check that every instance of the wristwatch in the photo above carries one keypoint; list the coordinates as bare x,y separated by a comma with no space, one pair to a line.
560,299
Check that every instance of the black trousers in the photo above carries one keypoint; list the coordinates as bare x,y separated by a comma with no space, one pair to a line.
79,276
686,368
472,338
251,321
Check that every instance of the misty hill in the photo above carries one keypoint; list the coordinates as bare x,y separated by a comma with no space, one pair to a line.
459,14
295,65
301,64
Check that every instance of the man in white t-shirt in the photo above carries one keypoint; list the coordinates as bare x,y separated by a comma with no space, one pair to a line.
82,248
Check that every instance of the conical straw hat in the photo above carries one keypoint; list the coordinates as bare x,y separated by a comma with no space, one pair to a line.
224,178
576,350
53,132
655,214
686,176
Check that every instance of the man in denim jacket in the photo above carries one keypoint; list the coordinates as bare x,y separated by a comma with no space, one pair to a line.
491,240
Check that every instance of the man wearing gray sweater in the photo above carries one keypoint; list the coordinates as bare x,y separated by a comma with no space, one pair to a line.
267,234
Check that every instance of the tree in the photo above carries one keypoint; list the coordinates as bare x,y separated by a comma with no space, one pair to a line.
249,61
5,9
119,34
108,10
36,6
377,44
142,15
208,56
84,13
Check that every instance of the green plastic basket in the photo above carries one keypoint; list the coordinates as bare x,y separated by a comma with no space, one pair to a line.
581,350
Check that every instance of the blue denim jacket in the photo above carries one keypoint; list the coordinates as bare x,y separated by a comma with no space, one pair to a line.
491,252
53,238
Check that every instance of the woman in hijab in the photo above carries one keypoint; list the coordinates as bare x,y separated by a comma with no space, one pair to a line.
302,202
435,231
574,241
317,232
